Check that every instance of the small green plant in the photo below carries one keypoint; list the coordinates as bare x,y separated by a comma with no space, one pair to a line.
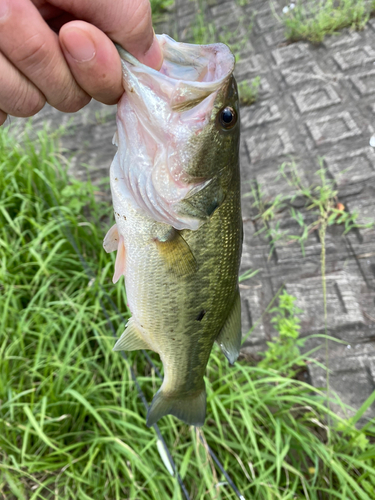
158,6
266,208
314,19
283,354
250,273
248,92
321,203
203,32
76,195
266,212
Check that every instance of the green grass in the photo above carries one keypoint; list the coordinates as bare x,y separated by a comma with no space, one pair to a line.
71,423
248,92
158,7
283,350
312,20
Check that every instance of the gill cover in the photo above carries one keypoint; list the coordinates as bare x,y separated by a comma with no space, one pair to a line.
163,124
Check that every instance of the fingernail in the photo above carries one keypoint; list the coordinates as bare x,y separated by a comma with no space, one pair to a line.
154,55
4,9
79,45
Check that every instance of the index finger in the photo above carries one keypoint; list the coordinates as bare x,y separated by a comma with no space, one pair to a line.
32,48
127,22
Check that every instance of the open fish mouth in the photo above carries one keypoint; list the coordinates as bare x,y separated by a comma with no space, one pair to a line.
189,72
161,118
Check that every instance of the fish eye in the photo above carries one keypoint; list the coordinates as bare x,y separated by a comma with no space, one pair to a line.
228,117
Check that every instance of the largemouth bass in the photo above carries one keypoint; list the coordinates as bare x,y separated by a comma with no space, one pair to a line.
175,185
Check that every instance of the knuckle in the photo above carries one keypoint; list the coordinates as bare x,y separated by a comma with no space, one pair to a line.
32,52
139,19
73,102
27,103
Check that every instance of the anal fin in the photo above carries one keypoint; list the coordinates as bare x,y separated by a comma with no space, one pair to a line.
177,254
229,338
131,339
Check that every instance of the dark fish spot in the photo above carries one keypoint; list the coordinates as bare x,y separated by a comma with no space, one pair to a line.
173,339
200,315
124,217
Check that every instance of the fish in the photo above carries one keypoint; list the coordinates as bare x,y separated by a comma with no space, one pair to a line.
175,184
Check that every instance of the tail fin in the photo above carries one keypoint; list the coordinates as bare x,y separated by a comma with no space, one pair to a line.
189,409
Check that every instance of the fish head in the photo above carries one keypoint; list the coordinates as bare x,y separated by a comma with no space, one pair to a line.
178,133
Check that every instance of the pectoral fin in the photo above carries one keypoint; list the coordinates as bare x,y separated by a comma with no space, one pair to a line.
229,338
120,260
177,254
131,339
111,240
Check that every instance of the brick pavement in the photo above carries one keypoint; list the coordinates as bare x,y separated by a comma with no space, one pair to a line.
314,102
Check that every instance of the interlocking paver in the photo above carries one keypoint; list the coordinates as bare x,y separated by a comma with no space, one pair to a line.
266,145
354,57
303,73
254,64
350,38
364,82
314,102
291,53
333,128
268,112
352,167
316,97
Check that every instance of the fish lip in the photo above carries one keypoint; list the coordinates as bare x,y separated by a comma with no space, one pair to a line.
220,52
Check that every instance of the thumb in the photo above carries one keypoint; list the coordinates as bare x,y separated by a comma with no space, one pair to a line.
138,36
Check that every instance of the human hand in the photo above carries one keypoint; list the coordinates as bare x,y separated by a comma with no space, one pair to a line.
80,62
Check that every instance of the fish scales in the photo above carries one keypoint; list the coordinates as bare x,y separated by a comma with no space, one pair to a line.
180,257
